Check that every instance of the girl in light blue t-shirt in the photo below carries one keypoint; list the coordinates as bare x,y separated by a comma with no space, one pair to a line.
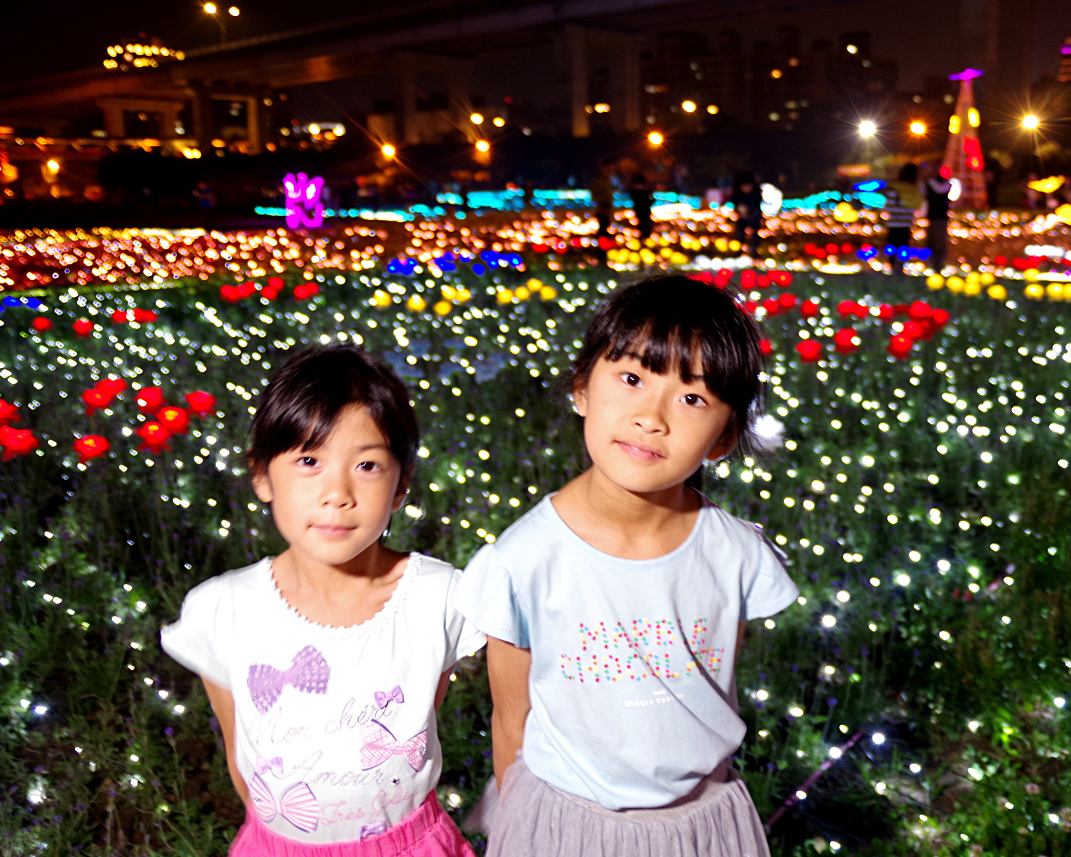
614,609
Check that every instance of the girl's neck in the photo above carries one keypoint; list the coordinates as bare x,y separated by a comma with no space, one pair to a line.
624,524
339,596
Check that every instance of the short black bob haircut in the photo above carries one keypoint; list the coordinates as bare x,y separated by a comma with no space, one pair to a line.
304,398
674,323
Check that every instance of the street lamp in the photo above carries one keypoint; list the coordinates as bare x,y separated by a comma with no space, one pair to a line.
1031,122
483,147
388,151
918,128
688,106
476,118
867,129
655,138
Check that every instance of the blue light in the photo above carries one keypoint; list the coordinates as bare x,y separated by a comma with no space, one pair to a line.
869,186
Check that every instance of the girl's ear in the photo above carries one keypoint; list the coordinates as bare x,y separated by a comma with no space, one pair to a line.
580,398
262,488
723,445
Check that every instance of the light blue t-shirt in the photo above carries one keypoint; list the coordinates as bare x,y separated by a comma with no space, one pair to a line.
631,687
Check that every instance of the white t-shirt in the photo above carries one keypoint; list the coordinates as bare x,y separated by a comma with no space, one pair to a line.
631,686
334,726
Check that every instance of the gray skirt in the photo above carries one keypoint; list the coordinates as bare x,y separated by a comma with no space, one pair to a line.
534,819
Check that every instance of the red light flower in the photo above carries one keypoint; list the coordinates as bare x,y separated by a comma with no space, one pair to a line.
230,294
174,419
846,340
83,327
306,290
766,347
606,242
201,403
912,329
771,306
246,289
96,399
810,350
112,386
150,400
782,278
17,442
900,345
886,312
787,301
846,308
748,279
41,324
809,308
155,437
91,446
540,248
120,316
275,283
145,316
8,413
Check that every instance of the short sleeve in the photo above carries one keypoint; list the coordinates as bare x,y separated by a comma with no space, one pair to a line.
486,597
193,640
771,590
463,637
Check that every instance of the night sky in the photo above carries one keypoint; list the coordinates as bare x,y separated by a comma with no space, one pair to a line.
43,38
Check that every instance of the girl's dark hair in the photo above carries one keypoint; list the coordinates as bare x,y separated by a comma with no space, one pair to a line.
303,399
673,323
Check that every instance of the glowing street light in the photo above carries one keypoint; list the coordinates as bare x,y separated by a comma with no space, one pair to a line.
655,138
211,8
483,147
476,118
1031,122
388,150
688,106
918,128
867,129
234,11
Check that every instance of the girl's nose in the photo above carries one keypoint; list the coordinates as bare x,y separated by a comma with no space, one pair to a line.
337,491
650,417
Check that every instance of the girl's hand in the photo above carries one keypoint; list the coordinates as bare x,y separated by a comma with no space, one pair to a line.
507,668
223,705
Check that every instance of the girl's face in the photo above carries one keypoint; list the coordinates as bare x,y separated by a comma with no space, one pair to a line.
334,502
648,432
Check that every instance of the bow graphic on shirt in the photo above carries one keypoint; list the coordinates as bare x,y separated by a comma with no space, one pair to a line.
380,744
275,765
372,829
390,696
308,673
297,805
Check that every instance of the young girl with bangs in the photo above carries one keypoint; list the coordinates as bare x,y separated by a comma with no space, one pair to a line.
325,664
615,608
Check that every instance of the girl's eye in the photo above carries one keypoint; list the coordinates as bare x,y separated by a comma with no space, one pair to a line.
631,379
307,461
368,466
694,399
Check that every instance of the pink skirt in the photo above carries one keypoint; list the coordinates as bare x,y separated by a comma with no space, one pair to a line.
426,832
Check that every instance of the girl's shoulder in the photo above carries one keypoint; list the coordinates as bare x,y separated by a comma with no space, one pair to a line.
233,583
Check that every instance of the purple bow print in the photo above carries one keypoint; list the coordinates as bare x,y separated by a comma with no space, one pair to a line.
275,765
297,805
382,698
372,829
308,673
380,744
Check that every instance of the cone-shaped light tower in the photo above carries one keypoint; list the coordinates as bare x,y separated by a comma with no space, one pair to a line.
963,154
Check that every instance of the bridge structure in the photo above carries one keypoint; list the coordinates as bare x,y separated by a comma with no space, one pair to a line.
435,38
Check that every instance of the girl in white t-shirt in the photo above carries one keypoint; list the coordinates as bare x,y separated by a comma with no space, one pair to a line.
326,663
615,608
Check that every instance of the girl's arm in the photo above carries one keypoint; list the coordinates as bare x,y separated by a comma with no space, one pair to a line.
444,685
223,705
507,668
740,629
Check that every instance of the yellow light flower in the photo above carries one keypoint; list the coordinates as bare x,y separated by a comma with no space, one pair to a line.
548,293
935,282
955,284
416,303
443,307
504,296
522,293
1034,291
997,292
